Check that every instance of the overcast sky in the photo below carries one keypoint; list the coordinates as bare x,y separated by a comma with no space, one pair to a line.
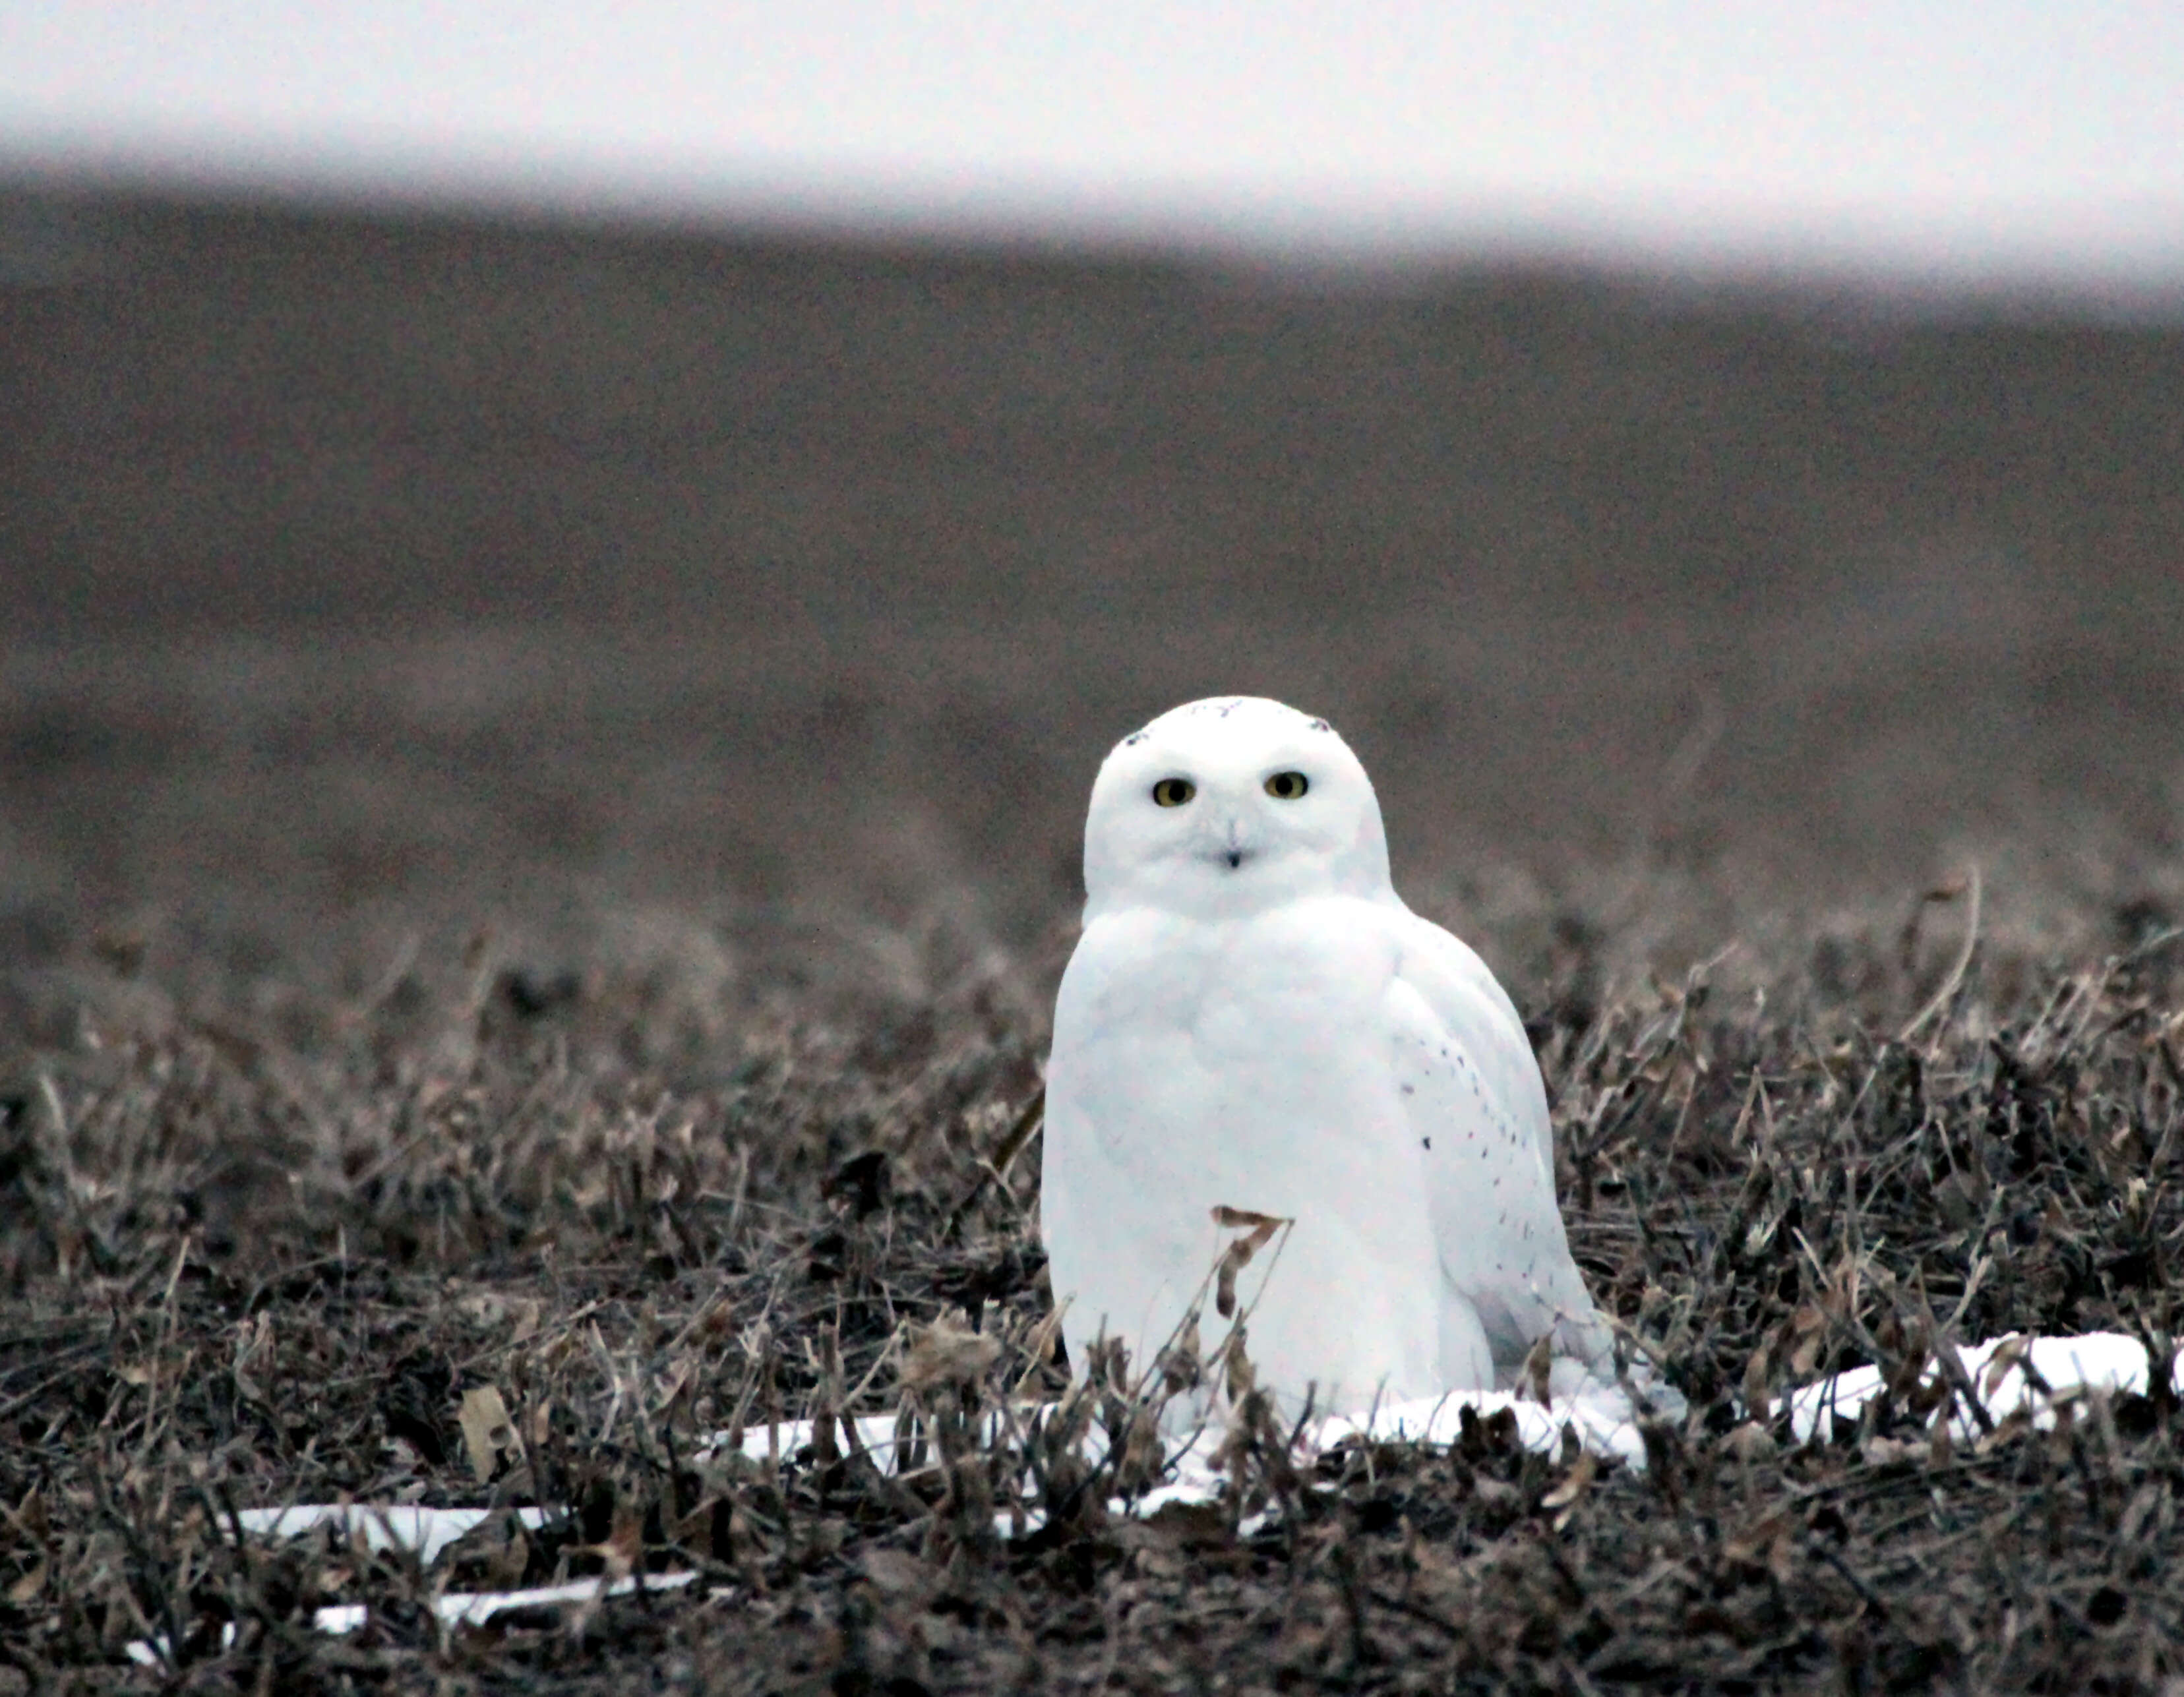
1979,136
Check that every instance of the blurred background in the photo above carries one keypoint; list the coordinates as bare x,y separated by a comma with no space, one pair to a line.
621,475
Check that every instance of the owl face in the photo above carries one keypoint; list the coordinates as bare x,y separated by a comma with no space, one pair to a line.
1227,803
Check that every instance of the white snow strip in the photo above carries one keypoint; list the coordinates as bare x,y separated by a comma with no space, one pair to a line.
475,1608
1600,1422
454,1608
784,1439
2071,1369
396,1525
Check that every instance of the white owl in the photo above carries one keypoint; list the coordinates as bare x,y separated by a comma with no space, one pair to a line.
1253,1020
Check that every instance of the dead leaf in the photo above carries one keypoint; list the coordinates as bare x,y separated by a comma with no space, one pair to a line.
1236,1219
1539,1363
486,1430
1756,1399
2140,1510
674,1382
948,1352
1039,1348
1181,1368
253,1350
623,1546
505,1568
897,1572
2008,1429
2011,1351
28,1586
1575,1483
1238,1374
1809,1327
1259,1230
29,1516
1143,1454
1181,1525
1755,1540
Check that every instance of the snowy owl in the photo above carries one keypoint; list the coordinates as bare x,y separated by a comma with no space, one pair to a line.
1252,1020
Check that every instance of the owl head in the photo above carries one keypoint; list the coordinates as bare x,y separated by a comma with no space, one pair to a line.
1231,804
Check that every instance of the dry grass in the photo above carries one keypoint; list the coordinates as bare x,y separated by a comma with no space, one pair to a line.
259,1246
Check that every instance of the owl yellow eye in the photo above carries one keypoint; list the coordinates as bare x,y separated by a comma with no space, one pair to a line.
1175,791
1288,786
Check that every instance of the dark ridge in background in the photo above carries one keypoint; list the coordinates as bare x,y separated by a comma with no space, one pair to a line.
356,558
232,414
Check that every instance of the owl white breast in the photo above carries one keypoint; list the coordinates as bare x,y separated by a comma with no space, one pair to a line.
1253,1021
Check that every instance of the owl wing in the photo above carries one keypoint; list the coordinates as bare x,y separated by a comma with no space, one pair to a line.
1468,1081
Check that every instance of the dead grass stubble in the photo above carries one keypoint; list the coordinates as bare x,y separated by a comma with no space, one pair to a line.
250,1262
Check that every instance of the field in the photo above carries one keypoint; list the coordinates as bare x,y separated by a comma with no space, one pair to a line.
539,774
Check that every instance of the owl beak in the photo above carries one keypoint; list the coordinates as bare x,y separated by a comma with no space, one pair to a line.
1234,853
